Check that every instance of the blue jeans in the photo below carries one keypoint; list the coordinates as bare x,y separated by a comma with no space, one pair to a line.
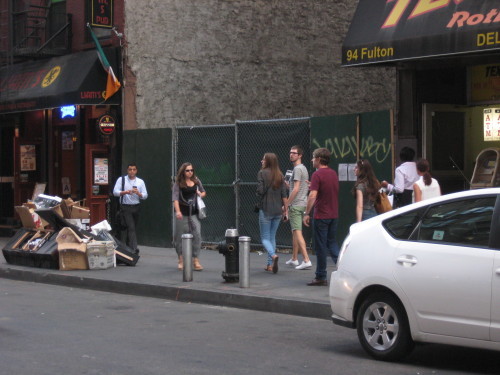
325,243
268,228
368,213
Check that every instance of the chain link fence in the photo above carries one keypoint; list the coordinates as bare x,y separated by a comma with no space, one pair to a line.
227,158
211,150
254,139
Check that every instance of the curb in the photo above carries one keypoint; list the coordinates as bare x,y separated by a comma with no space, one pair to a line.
182,294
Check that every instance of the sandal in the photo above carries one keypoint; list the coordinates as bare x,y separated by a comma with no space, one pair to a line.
274,268
269,268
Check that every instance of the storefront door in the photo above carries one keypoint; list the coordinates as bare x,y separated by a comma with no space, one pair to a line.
27,169
444,145
97,183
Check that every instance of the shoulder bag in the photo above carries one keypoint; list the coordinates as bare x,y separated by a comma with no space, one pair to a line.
202,209
382,203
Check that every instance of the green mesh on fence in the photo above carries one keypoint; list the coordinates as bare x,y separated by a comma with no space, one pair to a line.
254,139
213,151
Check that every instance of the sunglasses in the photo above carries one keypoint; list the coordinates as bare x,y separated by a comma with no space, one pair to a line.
189,170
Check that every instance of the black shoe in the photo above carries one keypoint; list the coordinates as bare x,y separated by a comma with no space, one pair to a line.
137,251
318,282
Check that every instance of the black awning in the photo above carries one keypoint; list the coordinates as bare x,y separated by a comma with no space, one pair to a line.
78,78
383,30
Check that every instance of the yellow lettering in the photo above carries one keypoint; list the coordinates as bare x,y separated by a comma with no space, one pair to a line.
396,13
424,6
488,39
480,40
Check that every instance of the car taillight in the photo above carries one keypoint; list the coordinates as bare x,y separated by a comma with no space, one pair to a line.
343,249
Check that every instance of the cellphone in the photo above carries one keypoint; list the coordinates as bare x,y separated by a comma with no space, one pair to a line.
134,187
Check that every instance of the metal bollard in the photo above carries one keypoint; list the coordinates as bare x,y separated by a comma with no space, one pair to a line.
244,244
187,254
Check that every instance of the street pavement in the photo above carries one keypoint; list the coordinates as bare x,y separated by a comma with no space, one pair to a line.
156,275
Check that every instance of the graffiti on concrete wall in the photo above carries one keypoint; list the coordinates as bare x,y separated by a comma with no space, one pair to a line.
343,147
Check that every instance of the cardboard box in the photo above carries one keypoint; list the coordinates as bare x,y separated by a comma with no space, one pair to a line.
29,218
78,212
72,251
101,255
74,210
57,209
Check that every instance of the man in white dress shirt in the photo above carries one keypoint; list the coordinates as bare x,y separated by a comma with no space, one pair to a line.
406,175
134,190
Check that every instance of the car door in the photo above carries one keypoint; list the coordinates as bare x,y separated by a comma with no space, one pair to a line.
495,294
495,303
445,268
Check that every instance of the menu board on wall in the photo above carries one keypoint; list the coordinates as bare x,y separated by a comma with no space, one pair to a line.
491,124
101,171
28,157
484,84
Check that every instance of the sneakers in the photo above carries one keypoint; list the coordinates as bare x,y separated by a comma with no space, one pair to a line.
304,265
292,262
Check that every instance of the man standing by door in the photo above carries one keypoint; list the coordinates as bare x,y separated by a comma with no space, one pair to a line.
131,190
323,196
297,201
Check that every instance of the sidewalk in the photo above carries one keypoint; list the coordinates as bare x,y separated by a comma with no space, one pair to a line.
156,275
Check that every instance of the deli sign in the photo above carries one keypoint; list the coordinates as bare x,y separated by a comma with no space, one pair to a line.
392,30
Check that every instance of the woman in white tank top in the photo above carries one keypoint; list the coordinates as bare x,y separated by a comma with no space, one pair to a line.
426,187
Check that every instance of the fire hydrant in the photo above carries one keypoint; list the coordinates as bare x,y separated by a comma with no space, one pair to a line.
230,249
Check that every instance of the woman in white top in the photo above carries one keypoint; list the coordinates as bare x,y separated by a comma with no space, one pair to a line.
427,187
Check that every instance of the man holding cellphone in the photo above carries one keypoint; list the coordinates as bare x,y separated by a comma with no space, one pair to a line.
297,202
134,190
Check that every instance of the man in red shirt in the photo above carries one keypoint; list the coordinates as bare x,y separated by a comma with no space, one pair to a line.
323,196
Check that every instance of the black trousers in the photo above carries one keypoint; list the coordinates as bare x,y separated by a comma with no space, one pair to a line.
131,216
403,199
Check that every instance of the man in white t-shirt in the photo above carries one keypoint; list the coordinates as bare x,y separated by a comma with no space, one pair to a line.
297,202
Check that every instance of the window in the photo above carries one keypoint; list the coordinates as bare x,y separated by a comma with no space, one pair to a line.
402,226
463,222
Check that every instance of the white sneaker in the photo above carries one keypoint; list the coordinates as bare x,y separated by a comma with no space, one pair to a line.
304,265
291,262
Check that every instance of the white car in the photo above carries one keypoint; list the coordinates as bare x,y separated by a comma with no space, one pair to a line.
427,272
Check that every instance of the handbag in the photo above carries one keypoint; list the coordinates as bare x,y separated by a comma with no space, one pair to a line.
120,220
382,203
202,209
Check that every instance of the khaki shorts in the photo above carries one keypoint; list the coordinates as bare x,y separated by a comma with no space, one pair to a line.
295,215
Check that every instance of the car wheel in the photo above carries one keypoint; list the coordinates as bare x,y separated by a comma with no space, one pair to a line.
383,328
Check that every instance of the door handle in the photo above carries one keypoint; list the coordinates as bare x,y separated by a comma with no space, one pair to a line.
497,271
407,260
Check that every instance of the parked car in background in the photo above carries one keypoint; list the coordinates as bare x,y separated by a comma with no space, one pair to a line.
427,272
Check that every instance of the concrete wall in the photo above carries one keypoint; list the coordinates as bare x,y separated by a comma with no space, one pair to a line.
192,62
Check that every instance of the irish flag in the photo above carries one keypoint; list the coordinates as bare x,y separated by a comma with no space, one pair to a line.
112,84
